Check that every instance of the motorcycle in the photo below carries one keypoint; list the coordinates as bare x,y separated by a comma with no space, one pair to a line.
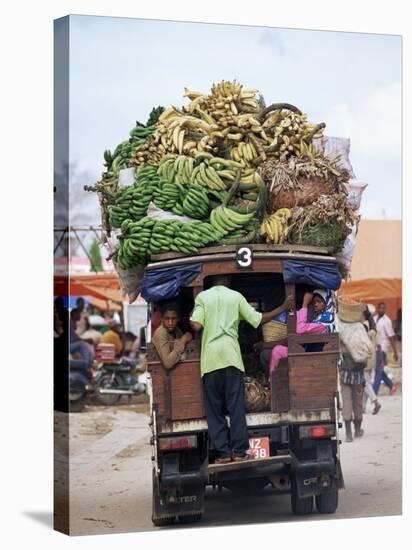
116,378
80,385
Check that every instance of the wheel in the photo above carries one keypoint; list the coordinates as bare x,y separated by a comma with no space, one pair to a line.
76,405
193,518
246,487
300,506
106,382
77,397
327,503
162,521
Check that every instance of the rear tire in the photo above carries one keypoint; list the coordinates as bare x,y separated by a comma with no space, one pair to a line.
76,406
327,503
300,506
192,518
162,522
158,521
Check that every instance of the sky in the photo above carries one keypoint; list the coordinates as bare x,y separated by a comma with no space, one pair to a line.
120,68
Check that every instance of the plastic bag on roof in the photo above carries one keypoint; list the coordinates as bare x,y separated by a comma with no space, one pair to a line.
355,191
345,257
317,274
130,280
158,214
334,146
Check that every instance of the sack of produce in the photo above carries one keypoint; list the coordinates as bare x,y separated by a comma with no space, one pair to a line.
346,255
356,341
130,280
355,190
257,397
274,331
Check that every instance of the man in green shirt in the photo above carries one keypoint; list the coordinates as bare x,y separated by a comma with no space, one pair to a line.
217,314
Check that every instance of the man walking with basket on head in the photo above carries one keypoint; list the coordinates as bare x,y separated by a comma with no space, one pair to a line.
217,314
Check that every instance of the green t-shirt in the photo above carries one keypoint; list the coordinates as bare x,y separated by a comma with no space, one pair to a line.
219,311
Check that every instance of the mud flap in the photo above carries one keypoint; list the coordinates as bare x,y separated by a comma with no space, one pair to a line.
322,475
177,493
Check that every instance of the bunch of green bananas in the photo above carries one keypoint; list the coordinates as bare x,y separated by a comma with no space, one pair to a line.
130,203
167,195
196,202
134,243
233,227
204,169
147,183
176,236
148,236
154,115
124,153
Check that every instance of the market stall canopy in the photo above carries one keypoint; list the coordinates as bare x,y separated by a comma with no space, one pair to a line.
103,286
377,265
103,304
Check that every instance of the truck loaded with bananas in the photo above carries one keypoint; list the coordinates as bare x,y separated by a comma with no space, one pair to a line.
226,170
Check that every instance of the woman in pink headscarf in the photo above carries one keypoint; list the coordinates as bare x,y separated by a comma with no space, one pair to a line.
318,300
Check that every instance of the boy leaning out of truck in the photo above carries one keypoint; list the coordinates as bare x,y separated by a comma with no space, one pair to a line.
168,334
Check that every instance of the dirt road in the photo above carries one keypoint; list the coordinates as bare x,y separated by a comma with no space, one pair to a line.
110,475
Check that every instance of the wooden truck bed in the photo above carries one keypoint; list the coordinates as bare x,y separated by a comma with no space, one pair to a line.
303,385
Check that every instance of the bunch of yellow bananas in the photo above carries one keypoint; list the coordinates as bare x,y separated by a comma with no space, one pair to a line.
245,153
290,133
228,121
275,227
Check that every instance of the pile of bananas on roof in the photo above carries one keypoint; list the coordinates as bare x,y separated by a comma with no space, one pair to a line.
202,163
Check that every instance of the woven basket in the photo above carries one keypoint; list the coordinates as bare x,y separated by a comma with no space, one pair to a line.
257,397
350,313
273,331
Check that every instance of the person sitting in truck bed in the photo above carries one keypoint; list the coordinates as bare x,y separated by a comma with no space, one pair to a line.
323,321
167,333
217,314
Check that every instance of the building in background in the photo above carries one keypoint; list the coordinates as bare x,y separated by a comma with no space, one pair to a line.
377,265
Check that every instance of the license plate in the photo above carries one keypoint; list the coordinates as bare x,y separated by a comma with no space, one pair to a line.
259,447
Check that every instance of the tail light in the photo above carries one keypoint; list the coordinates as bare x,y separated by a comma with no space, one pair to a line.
317,432
182,442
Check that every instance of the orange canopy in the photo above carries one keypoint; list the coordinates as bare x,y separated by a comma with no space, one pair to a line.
103,286
373,291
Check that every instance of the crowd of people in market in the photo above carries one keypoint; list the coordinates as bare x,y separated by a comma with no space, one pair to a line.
85,329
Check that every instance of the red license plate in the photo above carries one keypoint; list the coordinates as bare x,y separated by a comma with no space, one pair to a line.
259,447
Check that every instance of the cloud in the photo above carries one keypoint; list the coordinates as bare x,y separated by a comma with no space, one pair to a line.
271,38
373,123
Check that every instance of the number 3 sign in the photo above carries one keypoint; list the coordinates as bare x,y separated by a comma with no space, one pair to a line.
244,257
